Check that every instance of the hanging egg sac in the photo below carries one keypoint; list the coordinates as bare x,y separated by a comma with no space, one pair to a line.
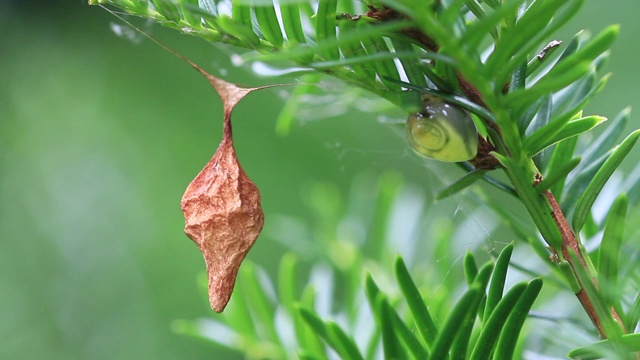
442,131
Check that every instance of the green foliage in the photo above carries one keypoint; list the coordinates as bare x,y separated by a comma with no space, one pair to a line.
492,58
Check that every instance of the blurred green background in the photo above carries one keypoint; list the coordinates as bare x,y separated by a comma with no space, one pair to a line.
99,137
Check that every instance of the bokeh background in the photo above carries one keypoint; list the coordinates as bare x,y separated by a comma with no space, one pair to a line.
99,136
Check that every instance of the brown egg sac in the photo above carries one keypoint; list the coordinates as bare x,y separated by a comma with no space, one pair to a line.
221,206
223,217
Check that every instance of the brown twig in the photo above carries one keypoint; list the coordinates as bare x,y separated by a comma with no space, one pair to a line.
570,241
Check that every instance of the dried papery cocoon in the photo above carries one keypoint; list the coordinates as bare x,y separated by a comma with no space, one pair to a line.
223,217
221,206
